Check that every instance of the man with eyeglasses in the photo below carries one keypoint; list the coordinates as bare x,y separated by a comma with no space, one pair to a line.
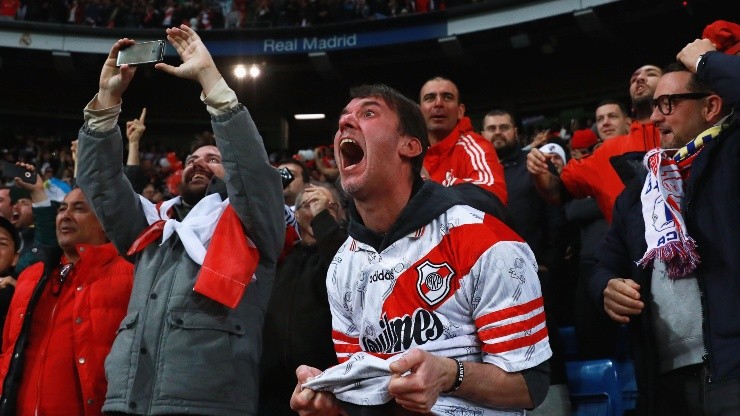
63,318
669,266
603,174
543,227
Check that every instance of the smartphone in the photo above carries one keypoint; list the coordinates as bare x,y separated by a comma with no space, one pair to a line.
141,53
287,176
9,171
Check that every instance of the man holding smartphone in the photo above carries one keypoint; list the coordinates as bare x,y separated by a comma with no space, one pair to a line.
191,341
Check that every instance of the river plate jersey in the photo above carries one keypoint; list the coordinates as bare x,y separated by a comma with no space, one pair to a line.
462,286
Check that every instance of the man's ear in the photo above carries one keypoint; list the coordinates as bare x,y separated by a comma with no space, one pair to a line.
410,147
15,259
713,108
460,111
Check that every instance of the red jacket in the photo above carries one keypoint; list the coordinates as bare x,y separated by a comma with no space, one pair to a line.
465,156
596,176
71,332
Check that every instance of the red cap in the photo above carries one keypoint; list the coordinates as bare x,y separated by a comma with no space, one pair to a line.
583,139
725,36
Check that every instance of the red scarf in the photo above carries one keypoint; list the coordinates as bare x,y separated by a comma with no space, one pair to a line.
230,262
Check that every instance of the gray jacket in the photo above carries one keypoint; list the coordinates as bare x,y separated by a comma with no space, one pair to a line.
178,351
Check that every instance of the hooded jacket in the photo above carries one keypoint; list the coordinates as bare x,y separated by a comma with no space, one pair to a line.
427,277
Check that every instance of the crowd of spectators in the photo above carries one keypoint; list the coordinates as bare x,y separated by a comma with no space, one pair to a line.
212,14
156,174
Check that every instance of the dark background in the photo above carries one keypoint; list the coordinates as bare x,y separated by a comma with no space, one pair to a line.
568,66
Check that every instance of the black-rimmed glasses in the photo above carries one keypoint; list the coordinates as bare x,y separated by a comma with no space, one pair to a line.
665,102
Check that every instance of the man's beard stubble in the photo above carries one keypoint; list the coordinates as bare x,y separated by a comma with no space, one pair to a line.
642,107
191,195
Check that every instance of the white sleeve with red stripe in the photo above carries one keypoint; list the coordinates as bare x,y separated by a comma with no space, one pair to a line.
508,308
345,333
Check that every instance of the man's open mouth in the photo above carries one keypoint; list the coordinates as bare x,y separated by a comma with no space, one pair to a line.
351,152
200,177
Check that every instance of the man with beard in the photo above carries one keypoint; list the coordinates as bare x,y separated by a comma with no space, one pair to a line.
603,174
457,154
436,306
542,226
191,342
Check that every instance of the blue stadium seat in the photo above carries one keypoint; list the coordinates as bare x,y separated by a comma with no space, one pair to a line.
570,344
627,382
626,368
594,388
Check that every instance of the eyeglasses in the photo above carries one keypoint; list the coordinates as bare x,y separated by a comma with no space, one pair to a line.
664,103
503,128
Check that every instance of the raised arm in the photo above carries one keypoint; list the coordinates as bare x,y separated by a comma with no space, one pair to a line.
253,185
548,185
719,70
134,130
100,144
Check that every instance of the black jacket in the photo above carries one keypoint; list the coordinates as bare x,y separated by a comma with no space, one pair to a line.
711,209
297,327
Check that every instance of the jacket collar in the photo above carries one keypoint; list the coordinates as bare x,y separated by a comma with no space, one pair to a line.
94,256
445,146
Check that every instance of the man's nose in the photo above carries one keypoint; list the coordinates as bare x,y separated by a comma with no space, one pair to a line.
200,162
347,121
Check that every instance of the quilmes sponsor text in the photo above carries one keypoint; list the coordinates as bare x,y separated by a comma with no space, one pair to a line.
309,44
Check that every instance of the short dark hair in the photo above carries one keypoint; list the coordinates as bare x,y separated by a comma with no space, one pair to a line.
410,121
695,84
616,102
444,78
203,139
14,235
500,112
305,174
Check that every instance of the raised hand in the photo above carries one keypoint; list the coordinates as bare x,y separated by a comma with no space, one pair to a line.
537,162
197,63
38,192
690,53
114,80
136,127
319,199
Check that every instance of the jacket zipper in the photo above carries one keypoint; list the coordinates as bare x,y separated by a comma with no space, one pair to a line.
42,357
